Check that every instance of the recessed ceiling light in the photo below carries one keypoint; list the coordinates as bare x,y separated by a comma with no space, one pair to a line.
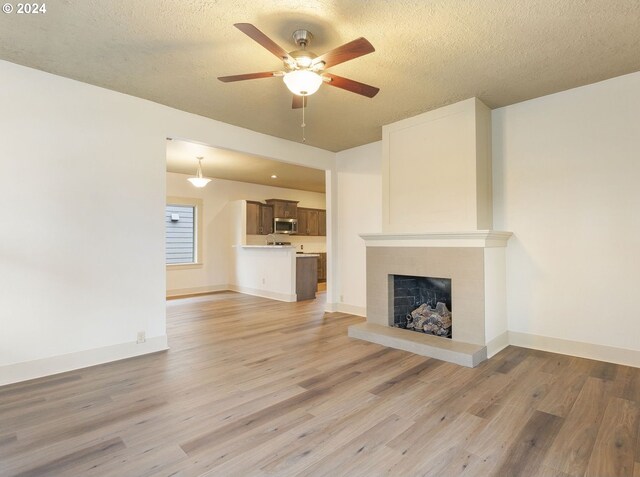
274,176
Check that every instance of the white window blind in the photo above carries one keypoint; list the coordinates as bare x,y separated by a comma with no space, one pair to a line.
180,234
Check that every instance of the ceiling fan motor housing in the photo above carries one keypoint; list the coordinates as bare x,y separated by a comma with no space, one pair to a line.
302,37
303,58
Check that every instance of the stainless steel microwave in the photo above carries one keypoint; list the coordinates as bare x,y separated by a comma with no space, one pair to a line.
285,226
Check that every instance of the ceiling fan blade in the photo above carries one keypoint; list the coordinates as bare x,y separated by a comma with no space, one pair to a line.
259,37
298,101
248,76
350,85
346,52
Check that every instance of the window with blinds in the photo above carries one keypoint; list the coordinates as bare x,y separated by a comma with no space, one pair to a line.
180,242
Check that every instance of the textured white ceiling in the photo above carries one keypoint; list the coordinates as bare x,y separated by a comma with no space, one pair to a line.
428,53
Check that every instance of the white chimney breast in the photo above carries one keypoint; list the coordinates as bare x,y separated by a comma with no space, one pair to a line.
436,171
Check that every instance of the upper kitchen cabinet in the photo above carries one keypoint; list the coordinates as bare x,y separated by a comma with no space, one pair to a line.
322,222
312,222
266,219
259,218
287,209
253,218
303,217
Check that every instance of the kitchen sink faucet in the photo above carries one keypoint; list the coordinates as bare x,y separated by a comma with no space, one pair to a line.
273,242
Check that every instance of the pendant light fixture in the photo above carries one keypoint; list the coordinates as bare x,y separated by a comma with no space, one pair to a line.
199,181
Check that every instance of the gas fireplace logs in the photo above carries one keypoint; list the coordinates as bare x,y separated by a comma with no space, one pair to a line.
431,321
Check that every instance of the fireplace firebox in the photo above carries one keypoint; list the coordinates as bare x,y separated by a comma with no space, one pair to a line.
421,304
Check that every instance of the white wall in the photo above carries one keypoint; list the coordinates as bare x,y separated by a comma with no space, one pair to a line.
566,170
218,233
82,237
436,170
359,211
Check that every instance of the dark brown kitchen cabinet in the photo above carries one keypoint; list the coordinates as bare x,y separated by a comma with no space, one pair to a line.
306,277
253,218
322,267
303,217
259,218
266,219
322,222
312,222
287,209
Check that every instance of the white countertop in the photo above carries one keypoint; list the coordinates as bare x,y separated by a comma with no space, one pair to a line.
267,246
303,255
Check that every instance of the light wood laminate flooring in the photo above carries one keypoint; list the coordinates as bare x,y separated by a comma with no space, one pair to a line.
256,387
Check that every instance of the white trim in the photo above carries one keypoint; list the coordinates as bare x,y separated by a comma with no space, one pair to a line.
196,290
183,266
38,368
351,309
628,357
264,293
497,344
330,307
473,238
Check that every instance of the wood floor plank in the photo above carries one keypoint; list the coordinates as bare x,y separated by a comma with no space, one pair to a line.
347,459
573,446
433,453
606,371
563,392
58,465
292,394
527,452
614,449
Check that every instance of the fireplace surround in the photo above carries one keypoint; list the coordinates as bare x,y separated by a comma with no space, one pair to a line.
475,263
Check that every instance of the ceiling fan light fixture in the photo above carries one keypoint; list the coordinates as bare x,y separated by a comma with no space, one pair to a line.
199,181
302,82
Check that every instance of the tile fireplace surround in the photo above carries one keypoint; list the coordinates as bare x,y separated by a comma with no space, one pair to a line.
475,263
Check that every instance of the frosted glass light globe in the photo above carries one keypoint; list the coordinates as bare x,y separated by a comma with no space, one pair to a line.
302,82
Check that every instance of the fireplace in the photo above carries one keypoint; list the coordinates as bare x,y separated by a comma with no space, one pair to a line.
421,304
464,271
437,221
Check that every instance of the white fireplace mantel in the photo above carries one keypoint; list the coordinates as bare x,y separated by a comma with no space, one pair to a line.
473,238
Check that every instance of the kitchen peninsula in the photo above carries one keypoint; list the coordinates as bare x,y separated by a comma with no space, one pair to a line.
276,270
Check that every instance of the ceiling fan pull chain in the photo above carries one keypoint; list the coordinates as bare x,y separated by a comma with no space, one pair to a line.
303,125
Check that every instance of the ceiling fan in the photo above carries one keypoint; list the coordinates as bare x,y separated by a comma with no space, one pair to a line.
304,71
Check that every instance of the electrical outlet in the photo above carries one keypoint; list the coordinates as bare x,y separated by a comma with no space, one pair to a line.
264,281
142,337
342,298
301,246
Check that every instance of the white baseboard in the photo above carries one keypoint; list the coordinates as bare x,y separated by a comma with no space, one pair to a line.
610,354
38,368
196,290
263,293
330,307
351,309
497,344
